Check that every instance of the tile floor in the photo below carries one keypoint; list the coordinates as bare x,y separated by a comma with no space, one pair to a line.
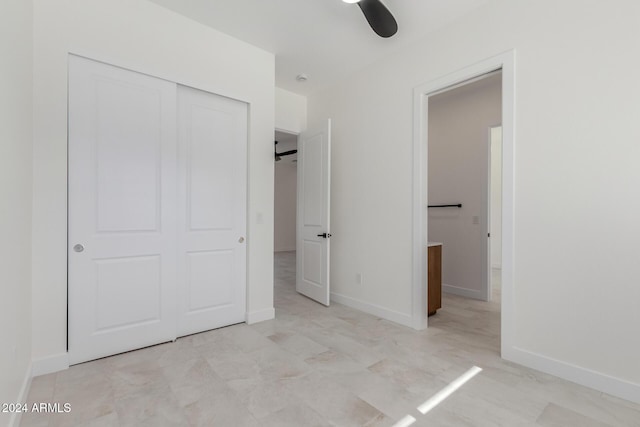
318,366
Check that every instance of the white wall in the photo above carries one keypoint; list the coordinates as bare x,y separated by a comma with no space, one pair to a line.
16,80
144,37
576,169
291,111
495,210
458,172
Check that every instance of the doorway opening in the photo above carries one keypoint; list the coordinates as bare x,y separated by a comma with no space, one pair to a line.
504,63
459,216
458,182
284,215
285,193
312,214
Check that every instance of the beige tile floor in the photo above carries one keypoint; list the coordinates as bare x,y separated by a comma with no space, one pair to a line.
318,366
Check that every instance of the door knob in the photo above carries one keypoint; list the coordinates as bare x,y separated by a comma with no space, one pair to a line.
241,239
78,248
324,235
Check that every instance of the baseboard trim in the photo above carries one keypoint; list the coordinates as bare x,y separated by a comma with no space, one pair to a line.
577,374
376,310
463,292
16,417
261,315
50,364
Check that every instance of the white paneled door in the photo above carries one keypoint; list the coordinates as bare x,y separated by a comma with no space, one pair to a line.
139,210
313,221
212,216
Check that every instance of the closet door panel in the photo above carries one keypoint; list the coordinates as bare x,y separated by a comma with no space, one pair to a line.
212,192
122,210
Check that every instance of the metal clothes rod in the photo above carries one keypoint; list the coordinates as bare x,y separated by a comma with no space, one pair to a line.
459,205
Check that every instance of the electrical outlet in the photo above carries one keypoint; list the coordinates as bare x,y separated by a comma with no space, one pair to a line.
359,278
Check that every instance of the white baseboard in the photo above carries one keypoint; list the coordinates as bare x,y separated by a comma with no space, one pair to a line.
22,396
376,310
261,315
579,375
50,364
463,292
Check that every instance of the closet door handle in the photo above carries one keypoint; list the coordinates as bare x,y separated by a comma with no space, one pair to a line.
324,235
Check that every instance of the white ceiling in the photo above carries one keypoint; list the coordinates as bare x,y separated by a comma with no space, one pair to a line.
325,39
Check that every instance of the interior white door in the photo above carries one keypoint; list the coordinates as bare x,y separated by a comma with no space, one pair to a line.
313,222
122,216
212,196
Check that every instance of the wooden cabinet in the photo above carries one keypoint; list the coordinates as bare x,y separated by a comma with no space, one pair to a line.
434,279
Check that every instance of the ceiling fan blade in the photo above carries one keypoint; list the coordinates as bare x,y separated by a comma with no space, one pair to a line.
379,17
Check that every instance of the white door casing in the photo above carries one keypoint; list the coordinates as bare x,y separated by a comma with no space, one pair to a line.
212,180
157,210
314,184
122,198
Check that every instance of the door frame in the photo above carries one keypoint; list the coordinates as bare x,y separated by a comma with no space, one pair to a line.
489,288
505,62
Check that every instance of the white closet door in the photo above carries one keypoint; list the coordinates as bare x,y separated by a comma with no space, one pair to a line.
122,210
212,197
